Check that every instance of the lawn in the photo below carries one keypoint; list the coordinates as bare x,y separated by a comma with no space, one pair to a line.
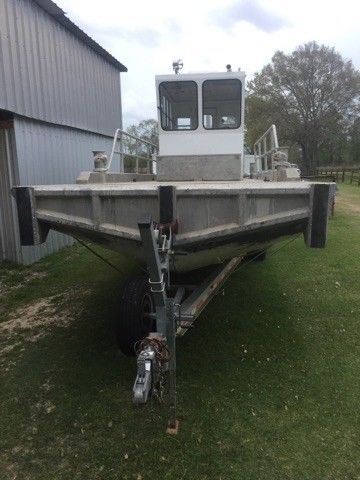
268,380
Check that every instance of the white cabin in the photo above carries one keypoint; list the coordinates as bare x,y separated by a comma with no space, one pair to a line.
201,126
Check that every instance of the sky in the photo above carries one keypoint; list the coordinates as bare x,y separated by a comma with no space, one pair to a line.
147,36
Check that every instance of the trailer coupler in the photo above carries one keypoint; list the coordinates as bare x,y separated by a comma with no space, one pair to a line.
145,373
152,363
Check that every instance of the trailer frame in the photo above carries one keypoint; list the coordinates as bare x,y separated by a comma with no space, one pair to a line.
174,314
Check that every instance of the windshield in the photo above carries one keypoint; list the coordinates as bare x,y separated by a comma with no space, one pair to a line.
221,104
178,105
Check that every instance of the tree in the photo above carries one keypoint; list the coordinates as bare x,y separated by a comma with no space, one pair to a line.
312,95
146,130
355,141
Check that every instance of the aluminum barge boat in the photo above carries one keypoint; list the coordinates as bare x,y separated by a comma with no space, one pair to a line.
196,201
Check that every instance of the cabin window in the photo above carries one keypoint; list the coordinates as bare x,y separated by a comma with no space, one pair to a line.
178,105
221,104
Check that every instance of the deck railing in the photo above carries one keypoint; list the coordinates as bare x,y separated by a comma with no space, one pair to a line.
135,149
264,149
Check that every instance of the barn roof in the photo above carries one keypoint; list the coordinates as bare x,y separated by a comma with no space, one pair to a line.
59,15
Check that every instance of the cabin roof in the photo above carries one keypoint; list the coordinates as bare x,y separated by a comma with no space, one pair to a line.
200,76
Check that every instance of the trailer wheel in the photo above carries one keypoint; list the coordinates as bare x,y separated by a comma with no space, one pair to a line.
134,323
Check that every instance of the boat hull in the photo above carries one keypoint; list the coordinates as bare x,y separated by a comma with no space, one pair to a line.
212,221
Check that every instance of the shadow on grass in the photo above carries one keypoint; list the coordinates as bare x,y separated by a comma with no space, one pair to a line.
238,329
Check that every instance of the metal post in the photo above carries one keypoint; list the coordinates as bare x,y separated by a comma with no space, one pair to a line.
122,166
173,423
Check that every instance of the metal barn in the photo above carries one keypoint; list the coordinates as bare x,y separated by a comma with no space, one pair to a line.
59,99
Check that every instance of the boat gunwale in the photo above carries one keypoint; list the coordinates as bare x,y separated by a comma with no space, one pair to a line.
210,189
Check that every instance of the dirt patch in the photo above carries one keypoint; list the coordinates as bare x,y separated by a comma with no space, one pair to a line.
11,282
9,348
350,204
41,313
34,321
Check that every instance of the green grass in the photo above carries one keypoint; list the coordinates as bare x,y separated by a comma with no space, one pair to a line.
268,380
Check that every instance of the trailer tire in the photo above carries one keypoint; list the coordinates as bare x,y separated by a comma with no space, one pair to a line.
132,324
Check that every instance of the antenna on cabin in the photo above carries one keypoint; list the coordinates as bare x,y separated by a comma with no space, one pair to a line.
177,65
228,67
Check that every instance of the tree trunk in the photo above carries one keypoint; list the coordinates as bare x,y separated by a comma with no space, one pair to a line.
306,159
309,157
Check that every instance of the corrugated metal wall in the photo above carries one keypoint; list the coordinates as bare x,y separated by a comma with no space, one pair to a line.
9,240
49,74
48,154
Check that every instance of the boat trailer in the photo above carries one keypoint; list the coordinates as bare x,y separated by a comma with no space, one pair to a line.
173,316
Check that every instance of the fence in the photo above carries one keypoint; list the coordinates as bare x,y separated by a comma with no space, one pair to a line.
341,173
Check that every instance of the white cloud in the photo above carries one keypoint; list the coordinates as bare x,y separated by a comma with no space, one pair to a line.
147,36
250,11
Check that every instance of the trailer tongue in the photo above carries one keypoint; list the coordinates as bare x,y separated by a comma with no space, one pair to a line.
173,316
